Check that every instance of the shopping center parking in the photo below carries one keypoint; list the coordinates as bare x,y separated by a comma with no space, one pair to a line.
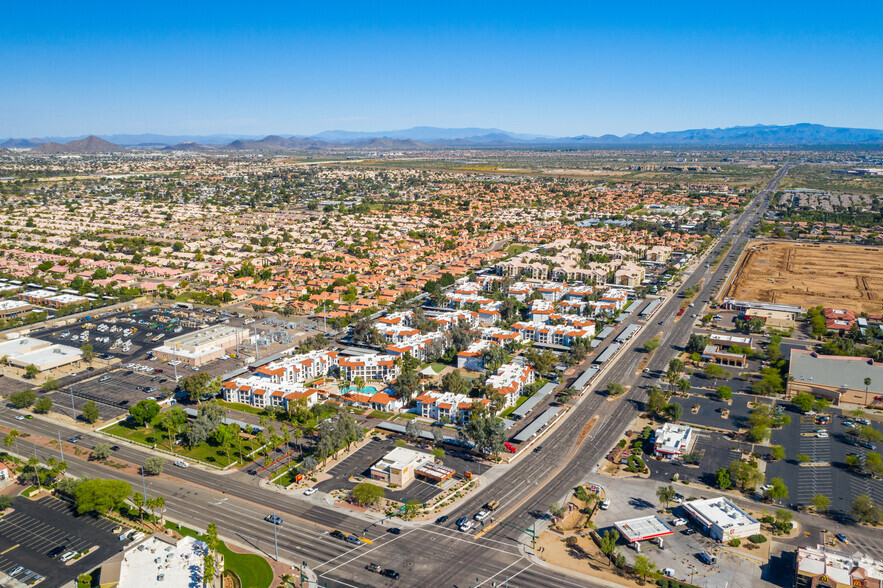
34,528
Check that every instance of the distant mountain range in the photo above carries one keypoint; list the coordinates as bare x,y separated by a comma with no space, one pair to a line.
433,137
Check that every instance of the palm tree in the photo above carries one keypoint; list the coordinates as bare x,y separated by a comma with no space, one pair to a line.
298,435
9,440
867,384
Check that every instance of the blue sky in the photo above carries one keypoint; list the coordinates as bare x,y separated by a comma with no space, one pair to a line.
560,69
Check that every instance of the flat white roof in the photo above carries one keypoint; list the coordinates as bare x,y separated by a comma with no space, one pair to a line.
642,528
49,357
402,457
179,565
720,512
12,304
12,347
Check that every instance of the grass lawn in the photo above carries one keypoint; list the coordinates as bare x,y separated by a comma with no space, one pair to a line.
409,416
287,478
521,400
253,570
208,452
438,367
379,414
242,407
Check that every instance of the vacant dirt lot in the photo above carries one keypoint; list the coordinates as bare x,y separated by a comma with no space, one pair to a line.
838,276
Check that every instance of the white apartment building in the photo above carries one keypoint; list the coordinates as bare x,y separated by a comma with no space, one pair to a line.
300,368
416,345
510,380
500,336
553,334
471,357
370,367
448,321
396,333
403,318
457,408
260,391
541,310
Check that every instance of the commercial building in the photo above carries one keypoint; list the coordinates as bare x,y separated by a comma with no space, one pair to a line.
719,349
854,380
13,308
203,346
672,440
44,355
721,519
823,567
158,560
399,466
786,311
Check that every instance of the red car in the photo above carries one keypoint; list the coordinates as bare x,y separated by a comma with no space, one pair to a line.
509,447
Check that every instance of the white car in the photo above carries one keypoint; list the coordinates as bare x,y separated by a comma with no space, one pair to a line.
466,526
606,504
482,515
309,491
181,463
822,435
679,522
20,418
668,572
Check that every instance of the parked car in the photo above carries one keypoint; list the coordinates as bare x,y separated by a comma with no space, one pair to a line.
372,567
605,504
68,556
706,557
391,574
679,522
55,552
668,572
309,491
842,538
509,447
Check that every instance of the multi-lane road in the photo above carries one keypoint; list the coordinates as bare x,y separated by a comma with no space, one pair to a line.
426,554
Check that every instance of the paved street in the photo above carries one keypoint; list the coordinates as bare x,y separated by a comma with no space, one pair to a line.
524,489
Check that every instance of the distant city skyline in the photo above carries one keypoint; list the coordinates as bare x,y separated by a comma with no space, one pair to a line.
225,68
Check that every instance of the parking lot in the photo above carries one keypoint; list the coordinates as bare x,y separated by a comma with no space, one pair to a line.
36,527
830,476
360,462
717,452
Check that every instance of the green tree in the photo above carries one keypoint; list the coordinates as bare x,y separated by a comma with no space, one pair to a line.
656,400
696,343
144,412
31,371
493,357
723,479
100,495
486,431
412,429
651,345
865,509
412,508
821,502
745,474
23,399
615,389
712,371
367,494
43,405
873,464
90,412
88,352
644,567
154,465
665,494
454,383
674,411
607,542
777,490
196,385
803,401
724,392
100,452
777,452
138,500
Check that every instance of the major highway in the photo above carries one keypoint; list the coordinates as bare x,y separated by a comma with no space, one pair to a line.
426,554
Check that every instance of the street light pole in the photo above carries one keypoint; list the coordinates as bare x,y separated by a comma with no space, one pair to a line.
73,408
60,448
275,539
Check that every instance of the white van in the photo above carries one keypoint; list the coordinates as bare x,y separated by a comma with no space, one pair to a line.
606,504
68,556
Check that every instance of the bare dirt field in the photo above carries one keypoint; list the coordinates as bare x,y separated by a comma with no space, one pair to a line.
838,276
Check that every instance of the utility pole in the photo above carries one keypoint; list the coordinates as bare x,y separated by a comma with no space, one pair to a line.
275,538
73,408
60,448
143,484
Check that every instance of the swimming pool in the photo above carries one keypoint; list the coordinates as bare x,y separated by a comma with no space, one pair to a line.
369,390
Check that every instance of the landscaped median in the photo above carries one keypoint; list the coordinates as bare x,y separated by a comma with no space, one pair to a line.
252,570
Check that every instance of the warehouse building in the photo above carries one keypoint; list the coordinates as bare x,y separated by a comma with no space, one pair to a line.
203,346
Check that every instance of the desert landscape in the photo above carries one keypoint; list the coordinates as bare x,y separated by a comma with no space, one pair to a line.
838,276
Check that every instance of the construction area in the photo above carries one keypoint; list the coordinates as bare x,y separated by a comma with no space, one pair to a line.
804,274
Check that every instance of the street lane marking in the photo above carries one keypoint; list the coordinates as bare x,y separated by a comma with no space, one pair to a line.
10,549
